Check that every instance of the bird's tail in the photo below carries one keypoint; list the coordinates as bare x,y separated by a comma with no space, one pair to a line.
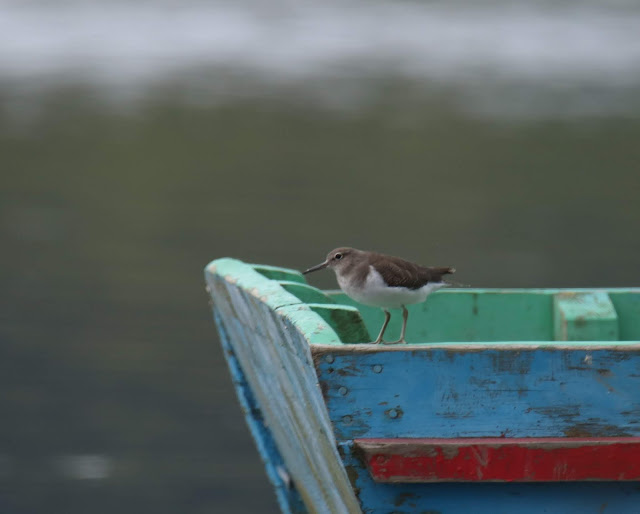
450,271
436,273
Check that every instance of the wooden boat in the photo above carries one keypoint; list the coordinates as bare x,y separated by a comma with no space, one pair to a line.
512,400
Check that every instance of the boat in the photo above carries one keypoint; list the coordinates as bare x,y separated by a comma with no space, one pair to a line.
505,400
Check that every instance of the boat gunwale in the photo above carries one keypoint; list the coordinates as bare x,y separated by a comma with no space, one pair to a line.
478,346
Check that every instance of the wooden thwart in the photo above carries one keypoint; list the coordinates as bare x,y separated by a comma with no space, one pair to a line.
502,460
589,316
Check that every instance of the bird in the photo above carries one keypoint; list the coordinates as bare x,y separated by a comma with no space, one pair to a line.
383,281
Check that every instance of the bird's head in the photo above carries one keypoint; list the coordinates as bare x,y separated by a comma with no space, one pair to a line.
337,259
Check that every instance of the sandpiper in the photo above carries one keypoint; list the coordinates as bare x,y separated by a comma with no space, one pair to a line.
383,281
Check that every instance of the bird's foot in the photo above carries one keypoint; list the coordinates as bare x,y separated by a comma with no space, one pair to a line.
399,341
378,341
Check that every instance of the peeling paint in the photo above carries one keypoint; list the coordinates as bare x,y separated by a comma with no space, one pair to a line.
395,413
507,460
401,498
557,395
566,413
450,451
595,429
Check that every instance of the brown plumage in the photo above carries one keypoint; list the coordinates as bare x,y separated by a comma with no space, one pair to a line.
397,272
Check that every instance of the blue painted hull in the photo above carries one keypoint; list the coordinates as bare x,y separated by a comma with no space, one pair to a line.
497,392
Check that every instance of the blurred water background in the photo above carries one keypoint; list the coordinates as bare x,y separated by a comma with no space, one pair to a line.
140,140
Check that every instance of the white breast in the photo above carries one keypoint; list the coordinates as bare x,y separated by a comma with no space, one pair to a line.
376,293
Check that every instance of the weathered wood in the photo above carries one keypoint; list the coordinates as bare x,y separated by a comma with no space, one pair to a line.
488,497
483,364
269,331
454,391
305,293
584,317
288,497
345,320
476,347
501,459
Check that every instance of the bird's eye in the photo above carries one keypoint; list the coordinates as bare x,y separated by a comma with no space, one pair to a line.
338,256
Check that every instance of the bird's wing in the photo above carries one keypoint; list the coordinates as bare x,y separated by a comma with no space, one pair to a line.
397,272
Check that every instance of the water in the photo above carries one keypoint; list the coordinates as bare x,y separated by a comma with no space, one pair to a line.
140,141
513,59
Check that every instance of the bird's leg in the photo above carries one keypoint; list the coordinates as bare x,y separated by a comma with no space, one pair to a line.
387,317
405,317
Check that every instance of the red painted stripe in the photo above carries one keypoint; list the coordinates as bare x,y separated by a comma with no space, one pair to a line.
502,460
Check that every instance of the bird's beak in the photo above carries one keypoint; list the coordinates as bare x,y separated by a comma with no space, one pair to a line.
316,268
